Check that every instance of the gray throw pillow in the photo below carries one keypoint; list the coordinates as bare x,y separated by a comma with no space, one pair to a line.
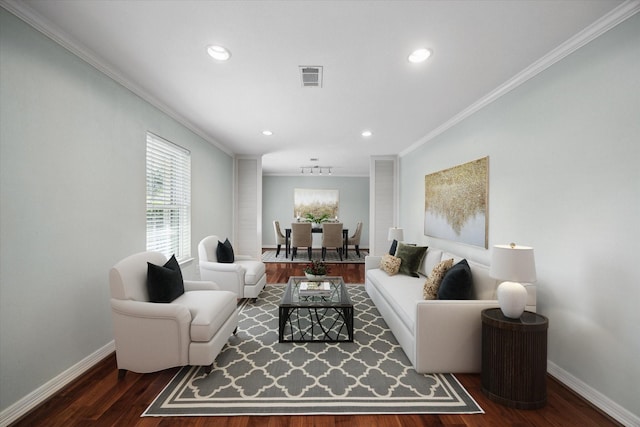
411,257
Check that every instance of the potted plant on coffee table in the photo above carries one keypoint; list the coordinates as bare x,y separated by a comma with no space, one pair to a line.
316,270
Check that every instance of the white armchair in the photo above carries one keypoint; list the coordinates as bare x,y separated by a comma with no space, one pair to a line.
246,277
149,337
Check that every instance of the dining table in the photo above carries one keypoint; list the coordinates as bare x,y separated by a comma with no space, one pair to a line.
287,240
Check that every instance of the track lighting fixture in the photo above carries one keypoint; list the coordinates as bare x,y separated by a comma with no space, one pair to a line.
312,169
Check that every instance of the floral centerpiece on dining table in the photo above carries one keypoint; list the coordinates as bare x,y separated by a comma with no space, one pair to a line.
316,270
316,221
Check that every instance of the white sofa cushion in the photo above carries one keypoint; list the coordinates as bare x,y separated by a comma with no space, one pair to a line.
484,286
402,291
431,259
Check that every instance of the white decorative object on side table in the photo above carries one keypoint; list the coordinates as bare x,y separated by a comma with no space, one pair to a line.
513,264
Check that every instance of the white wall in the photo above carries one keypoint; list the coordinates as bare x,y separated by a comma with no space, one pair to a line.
277,203
72,202
564,154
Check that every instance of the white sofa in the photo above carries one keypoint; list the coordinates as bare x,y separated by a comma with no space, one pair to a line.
438,336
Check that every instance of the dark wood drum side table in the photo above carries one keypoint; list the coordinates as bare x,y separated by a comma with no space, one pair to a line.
514,359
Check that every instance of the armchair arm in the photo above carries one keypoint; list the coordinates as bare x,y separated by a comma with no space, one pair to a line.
244,257
200,285
151,310
229,277
220,266
149,336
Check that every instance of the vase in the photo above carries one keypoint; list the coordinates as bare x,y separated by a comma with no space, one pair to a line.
314,277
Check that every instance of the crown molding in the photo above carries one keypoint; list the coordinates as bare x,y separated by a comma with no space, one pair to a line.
41,24
599,27
593,31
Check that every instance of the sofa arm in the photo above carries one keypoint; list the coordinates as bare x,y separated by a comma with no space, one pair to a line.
449,335
371,262
200,285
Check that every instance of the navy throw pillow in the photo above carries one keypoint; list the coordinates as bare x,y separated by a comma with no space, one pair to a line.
457,282
394,246
224,252
164,283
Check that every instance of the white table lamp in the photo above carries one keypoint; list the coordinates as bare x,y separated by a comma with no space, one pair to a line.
513,264
396,233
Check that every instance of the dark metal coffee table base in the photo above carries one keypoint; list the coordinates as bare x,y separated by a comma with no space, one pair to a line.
315,318
326,324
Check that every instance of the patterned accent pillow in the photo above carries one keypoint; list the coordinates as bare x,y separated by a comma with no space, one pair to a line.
432,284
390,264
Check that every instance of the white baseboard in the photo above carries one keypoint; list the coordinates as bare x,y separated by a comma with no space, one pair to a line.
47,390
593,396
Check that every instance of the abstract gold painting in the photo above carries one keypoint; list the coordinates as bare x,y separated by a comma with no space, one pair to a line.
455,203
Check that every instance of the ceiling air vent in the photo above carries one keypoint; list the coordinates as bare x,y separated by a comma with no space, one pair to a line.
311,76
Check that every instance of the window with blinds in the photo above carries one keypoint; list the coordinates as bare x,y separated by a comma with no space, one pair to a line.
168,198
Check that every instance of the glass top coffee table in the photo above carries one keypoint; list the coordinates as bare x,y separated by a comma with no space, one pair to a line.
315,315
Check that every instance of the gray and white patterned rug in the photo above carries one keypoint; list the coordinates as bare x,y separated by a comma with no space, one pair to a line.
256,375
316,254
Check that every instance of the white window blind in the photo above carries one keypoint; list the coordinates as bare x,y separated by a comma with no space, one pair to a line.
168,198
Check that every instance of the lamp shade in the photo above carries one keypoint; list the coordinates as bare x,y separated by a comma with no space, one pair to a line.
513,263
396,233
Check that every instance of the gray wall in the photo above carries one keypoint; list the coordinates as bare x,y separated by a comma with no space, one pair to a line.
72,202
564,154
277,203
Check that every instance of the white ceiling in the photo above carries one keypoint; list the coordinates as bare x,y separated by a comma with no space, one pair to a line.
157,48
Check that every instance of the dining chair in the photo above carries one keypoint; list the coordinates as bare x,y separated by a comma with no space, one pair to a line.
301,237
280,239
332,238
355,239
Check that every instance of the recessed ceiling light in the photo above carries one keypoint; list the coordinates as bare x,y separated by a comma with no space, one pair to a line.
419,55
267,133
366,133
218,53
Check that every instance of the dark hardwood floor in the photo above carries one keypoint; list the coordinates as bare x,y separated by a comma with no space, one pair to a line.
98,398
280,272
